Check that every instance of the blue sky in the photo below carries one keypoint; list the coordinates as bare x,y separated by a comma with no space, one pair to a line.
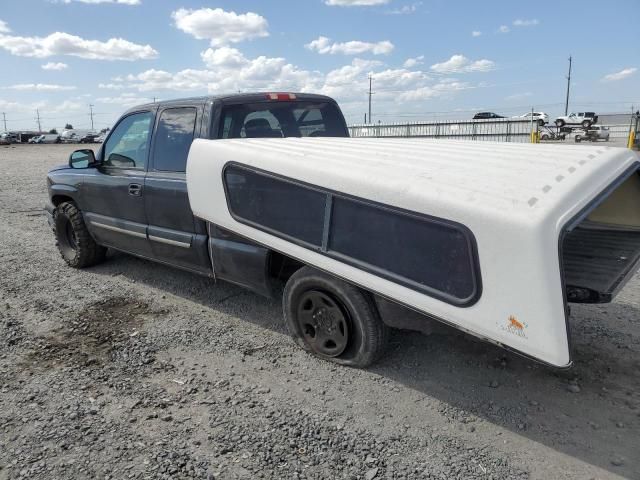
428,59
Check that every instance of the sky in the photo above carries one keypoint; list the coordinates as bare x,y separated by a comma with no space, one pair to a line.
429,59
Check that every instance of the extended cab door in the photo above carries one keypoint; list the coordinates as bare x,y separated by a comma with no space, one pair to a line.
113,193
174,234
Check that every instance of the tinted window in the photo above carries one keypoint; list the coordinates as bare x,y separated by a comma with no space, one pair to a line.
423,253
276,119
127,145
278,206
173,138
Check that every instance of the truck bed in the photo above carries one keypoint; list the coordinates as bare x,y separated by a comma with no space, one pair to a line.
597,260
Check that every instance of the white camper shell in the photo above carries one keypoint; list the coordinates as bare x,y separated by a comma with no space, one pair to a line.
492,238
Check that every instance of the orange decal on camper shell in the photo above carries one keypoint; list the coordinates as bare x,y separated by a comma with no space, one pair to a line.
513,322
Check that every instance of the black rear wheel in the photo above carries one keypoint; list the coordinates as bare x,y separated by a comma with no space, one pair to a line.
75,243
333,319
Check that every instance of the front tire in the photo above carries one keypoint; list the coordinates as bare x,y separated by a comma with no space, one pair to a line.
559,123
333,319
586,123
75,243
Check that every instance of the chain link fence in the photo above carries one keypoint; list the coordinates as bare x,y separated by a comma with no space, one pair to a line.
507,130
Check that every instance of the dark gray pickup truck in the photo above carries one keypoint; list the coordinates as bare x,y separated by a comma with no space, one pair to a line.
132,196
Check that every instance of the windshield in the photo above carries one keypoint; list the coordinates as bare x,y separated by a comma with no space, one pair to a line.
282,119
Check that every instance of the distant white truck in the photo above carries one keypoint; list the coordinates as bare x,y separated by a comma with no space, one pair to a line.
540,117
584,119
74,135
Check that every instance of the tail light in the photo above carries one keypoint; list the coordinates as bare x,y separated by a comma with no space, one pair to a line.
281,96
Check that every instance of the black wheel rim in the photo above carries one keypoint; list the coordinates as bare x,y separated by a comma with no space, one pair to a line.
323,323
68,239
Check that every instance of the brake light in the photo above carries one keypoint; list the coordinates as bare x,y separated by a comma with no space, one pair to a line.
281,96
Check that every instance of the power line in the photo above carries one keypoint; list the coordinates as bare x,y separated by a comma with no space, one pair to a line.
38,119
4,118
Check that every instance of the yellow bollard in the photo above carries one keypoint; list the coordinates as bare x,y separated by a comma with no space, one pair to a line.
632,139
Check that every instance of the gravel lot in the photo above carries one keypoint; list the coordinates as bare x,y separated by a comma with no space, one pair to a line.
135,370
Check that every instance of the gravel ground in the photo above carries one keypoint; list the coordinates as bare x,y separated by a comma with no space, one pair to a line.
134,370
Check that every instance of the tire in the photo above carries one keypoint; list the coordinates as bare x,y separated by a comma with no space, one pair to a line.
349,331
559,123
578,139
75,243
541,122
544,137
586,123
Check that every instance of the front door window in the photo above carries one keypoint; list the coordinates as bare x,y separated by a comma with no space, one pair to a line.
128,144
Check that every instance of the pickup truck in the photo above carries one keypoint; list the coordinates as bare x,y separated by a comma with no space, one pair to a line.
494,239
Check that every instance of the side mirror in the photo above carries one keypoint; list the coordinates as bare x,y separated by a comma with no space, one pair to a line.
82,158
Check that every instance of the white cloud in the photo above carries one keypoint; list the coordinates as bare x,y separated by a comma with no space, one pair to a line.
412,62
526,23
440,89
60,43
519,96
355,3
122,2
41,87
219,26
621,75
476,33
4,28
323,46
504,29
405,9
111,86
461,64
125,100
54,66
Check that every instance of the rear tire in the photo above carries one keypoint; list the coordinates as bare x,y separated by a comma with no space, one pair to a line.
559,123
75,243
541,122
544,137
578,138
333,319
586,123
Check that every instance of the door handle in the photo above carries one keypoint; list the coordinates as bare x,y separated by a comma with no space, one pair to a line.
135,189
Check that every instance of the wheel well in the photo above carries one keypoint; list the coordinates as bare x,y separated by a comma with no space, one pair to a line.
58,199
281,266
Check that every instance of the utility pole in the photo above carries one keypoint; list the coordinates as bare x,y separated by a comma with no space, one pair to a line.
370,93
38,120
4,117
566,103
91,115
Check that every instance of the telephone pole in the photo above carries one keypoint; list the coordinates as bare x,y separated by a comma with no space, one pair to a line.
91,115
566,103
4,118
38,120
370,93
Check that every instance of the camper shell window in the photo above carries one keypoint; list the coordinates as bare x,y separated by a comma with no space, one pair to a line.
431,255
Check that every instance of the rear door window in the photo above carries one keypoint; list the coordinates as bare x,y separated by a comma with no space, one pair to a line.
279,119
173,138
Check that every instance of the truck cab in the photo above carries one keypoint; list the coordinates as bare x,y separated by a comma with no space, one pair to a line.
132,195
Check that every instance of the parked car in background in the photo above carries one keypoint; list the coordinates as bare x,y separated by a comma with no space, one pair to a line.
540,117
70,138
593,134
100,138
5,139
48,138
486,116
89,138
547,133
585,119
